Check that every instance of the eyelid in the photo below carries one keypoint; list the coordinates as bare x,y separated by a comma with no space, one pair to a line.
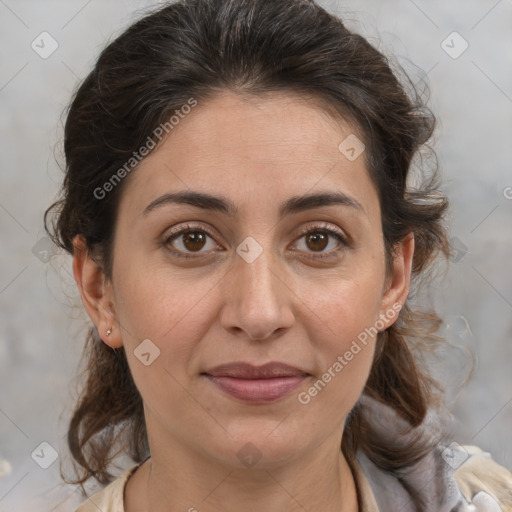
176,232
335,232
325,227
188,227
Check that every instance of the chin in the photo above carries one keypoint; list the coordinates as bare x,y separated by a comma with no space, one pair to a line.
259,445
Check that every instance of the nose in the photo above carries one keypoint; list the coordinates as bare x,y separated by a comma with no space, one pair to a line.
257,301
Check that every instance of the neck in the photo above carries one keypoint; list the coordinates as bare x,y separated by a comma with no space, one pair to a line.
181,480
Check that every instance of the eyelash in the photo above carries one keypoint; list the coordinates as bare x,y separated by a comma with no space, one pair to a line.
315,229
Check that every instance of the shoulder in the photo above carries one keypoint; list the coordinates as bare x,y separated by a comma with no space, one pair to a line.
450,478
110,498
481,480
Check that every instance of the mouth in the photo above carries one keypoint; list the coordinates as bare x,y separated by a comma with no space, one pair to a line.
256,384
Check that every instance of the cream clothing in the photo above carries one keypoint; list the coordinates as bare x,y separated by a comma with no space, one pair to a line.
471,482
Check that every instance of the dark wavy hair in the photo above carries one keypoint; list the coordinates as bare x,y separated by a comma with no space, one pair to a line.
196,48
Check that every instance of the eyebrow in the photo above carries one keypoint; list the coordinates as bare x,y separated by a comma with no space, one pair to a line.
295,204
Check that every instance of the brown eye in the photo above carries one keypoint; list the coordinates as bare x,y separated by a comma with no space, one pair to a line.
194,240
189,240
317,241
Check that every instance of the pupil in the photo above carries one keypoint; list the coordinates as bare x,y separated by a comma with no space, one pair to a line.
194,241
316,238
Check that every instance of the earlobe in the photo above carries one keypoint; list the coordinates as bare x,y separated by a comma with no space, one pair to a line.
398,283
96,293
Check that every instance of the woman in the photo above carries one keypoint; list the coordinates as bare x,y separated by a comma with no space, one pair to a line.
244,243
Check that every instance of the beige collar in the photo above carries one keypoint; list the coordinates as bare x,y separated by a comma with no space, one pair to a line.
365,494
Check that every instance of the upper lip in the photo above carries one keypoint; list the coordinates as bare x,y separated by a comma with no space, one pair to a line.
241,370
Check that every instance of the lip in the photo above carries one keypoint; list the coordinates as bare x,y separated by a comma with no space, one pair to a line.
256,384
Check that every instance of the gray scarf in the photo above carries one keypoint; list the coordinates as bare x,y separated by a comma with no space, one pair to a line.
427,486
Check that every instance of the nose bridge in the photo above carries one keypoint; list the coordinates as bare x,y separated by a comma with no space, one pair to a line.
257,269
257,302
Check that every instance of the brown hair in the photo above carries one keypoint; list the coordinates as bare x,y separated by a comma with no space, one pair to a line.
193,48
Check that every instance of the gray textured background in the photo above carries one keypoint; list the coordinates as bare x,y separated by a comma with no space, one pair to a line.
41,329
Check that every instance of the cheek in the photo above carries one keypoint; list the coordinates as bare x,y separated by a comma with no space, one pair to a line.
173,314
347,315
161,326
350,350
347,305
159,303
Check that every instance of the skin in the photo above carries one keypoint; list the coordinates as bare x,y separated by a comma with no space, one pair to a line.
287,305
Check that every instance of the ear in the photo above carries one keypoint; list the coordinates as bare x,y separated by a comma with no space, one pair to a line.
397,284
96,292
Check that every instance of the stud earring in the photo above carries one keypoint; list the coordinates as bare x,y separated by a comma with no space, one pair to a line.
109,332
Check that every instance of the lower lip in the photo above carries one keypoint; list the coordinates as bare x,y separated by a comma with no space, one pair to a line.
258,391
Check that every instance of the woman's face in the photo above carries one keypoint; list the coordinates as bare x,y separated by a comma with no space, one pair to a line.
247,285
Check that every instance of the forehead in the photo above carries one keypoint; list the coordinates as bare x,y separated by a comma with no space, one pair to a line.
256,150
